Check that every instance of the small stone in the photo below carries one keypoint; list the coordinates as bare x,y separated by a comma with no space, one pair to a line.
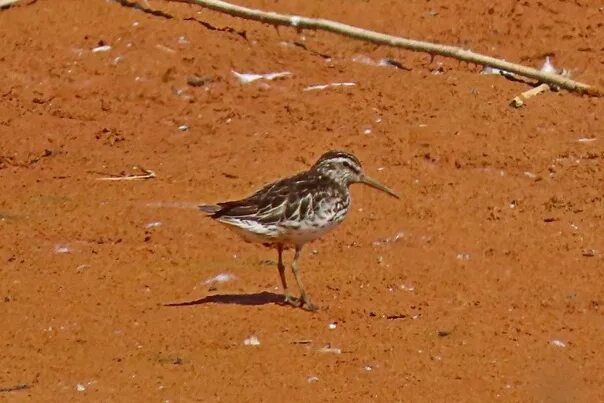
183,128
332,325
80,388
198,81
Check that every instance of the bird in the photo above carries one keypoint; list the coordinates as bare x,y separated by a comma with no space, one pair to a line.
293,211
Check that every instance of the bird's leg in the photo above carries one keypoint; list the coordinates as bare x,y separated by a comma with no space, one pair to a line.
288,298
304,299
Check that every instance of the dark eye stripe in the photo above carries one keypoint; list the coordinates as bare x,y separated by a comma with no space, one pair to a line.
350,166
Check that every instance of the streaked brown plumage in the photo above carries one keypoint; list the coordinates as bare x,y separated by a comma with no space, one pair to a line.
293,211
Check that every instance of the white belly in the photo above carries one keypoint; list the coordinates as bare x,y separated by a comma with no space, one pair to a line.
286,232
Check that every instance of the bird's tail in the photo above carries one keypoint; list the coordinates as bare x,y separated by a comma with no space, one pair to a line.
209,209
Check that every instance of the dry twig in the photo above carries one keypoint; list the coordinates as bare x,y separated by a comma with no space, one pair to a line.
15,388
518,101
299,22
147,174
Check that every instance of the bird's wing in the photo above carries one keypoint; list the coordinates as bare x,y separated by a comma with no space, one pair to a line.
273,203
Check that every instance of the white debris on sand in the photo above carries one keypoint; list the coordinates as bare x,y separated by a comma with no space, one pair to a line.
60,249
251,341
463,256
329,349
103,48
586,140
391,239
312,379
330,85
558,343
363,59
548,67
219,278
246,78
488,70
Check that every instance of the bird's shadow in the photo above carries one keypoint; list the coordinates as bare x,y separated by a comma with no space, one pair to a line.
261,298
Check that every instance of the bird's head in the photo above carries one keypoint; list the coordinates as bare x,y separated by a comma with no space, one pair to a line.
346,169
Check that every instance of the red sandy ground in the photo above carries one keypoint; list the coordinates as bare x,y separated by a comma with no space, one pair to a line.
500,257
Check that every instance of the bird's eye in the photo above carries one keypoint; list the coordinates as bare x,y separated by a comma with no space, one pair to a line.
350,166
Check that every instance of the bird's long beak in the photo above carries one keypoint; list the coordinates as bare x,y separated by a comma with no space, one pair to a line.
377,185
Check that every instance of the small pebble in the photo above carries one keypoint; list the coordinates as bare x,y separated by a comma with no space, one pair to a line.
183,128
312,379
80,388
332,325
198,81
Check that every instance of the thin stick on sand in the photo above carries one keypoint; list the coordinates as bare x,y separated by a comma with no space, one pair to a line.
518,101
339,28
147,174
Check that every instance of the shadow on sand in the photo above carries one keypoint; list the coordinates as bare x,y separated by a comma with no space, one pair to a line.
262,298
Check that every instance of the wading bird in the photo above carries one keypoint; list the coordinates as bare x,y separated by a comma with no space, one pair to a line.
293,211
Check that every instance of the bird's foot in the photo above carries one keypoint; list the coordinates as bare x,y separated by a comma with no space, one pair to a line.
307,305
293,301
310,307
302,302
